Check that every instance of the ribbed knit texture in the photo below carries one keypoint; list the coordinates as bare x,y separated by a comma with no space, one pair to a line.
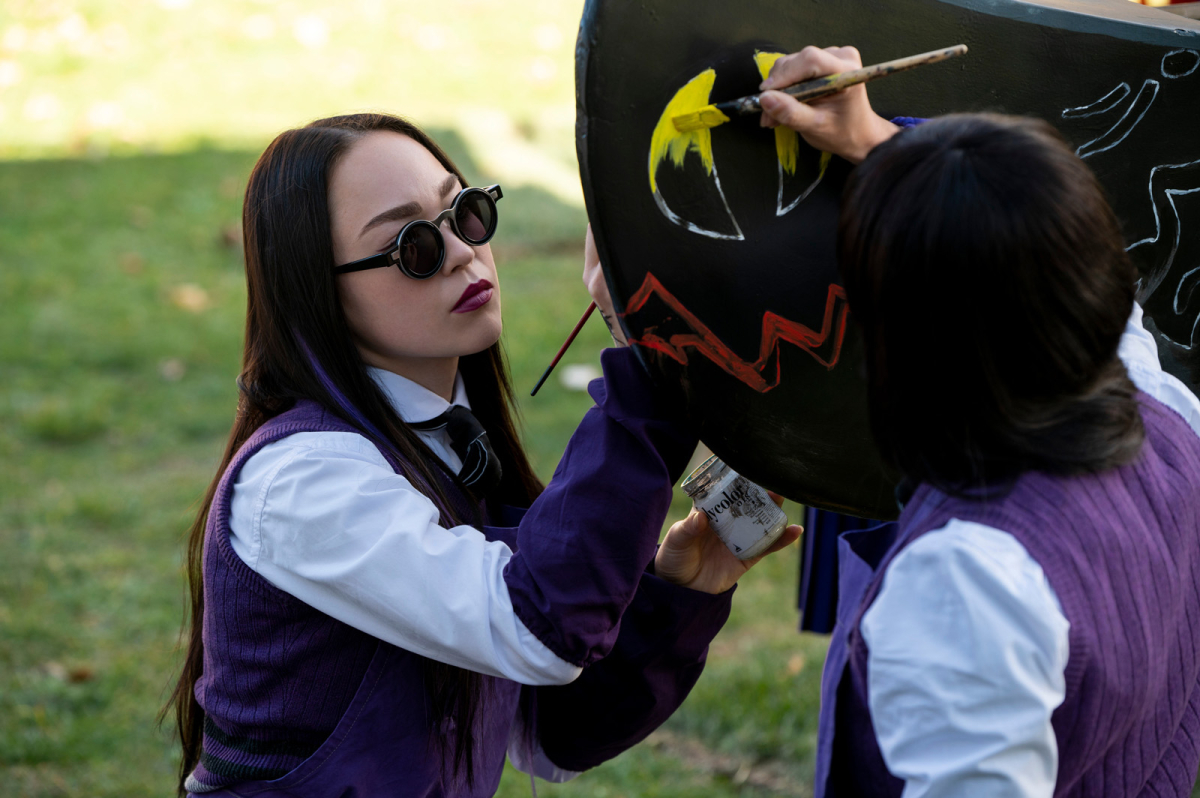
284,675
1121,550
280,678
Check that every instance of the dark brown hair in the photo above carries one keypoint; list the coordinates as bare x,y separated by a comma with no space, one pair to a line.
298,346
988,275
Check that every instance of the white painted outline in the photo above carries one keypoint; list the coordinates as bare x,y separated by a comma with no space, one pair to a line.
685,224
1163,66
1112,130
1084,111
782,211
1164,269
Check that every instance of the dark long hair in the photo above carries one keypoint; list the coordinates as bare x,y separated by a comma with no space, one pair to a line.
298,346
990,280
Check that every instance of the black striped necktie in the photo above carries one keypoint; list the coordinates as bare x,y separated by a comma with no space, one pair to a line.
481,470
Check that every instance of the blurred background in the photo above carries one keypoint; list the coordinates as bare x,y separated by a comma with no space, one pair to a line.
127,131
1186,8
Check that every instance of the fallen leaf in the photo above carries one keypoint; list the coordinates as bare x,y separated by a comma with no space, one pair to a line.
172,369
81,673
576,376
189,297
131,262
231,236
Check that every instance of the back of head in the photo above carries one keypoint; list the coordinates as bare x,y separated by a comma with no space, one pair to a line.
990,280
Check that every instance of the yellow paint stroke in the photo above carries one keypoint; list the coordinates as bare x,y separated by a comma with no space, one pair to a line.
787,141
826,157
669,142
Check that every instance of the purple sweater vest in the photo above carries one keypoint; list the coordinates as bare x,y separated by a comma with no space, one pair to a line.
279,676
1122,551
287,672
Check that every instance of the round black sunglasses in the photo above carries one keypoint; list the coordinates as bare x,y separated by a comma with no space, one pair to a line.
420,249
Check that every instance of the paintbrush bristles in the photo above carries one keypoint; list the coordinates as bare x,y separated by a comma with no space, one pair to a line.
707,117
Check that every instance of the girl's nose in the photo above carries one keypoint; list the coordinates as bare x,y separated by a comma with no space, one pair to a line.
458,252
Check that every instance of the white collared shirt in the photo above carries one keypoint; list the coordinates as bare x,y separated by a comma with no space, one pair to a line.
958,712
421,404
323,517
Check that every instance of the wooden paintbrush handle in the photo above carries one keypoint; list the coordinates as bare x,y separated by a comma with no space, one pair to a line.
831,84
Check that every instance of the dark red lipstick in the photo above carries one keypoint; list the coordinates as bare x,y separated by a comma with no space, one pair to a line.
476,296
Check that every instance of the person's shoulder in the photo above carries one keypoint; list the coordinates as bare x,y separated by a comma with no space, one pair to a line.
971,545
332,441
327,447
963,574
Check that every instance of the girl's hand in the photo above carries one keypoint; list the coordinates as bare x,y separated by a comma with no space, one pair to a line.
842,123
693,556
593,278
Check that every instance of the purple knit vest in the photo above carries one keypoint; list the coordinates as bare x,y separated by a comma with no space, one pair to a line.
278,674
1122,551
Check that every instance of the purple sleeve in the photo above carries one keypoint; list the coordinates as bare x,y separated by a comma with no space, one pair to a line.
620,699
584,545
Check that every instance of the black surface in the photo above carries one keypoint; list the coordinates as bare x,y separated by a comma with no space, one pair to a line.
807,436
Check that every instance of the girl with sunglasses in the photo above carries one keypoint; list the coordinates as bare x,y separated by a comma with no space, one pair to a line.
1029,625
385,599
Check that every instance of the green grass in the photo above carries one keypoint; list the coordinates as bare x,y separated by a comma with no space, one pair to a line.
126,134
119,342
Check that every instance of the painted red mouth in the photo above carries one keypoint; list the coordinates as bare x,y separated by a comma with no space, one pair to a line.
476,296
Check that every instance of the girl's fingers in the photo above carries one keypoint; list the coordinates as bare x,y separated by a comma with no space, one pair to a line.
789,536
690,528
775,497
811,62
849,55
787,110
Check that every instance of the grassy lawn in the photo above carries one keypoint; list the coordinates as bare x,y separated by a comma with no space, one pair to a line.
123,299
126,134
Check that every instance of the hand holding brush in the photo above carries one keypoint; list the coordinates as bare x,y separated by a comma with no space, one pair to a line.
803,66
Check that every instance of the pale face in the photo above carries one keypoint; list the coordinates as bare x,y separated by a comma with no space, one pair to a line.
415,328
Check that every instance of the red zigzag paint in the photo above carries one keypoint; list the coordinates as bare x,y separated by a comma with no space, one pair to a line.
775,329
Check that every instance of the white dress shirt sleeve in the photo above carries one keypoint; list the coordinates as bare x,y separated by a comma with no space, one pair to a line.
967,648
968,644
1139,353
323,517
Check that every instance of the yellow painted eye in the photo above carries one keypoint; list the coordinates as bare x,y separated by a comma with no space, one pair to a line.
787,141
667,142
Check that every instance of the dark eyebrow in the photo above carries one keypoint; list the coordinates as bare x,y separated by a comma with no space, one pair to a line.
407,209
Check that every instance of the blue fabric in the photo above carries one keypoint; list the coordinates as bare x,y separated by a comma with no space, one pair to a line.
818,594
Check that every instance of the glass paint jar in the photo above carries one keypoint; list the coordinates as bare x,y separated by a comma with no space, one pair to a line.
739,511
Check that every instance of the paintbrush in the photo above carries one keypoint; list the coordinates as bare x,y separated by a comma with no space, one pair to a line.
562,351
718,114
